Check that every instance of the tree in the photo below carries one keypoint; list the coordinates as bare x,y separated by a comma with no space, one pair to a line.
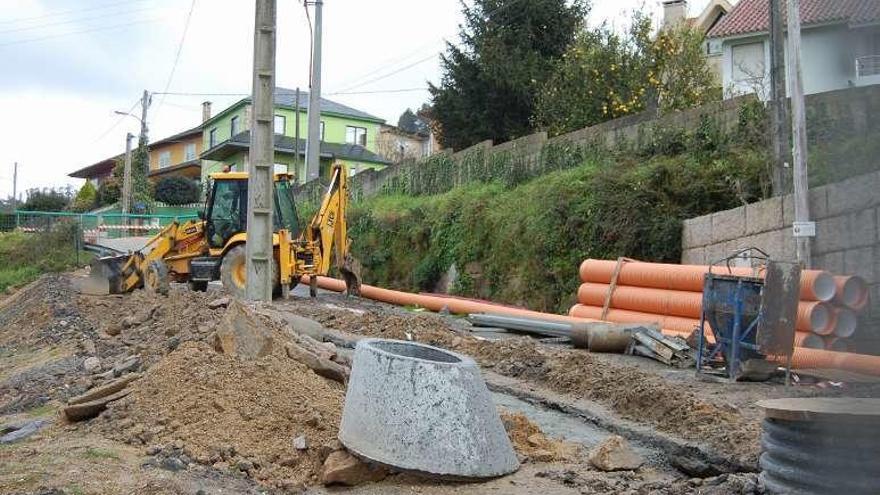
110,190
508,50
177,191
85,199
606,75
45,200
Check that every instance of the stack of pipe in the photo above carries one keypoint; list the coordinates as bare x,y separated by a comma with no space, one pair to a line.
802,358
671,296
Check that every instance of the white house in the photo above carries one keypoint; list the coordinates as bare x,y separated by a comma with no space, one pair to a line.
840,45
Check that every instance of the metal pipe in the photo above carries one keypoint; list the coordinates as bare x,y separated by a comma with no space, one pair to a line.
528,325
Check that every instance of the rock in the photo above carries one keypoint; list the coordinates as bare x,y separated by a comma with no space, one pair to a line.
241,333
328,448
126,365
92,364
615,454
345,469
130,321
88,346
299,443
172,343
322,367
113,330
154,449
542,455
23,430
219,303
173,464
245,465
693,466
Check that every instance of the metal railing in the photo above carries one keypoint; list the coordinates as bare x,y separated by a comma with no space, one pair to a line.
868,65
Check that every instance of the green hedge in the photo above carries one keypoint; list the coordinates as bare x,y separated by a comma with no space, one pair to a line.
523,244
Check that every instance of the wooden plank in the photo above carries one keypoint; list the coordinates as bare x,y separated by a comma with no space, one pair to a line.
612,285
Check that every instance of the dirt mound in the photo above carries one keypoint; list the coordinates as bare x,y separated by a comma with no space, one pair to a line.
234,414
633,393
528,440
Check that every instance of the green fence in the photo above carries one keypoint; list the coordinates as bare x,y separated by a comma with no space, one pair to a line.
94,227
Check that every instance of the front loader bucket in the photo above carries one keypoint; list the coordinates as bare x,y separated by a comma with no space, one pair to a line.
105,276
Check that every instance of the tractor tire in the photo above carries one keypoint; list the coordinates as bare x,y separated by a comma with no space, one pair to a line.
233,273
197,286
156,280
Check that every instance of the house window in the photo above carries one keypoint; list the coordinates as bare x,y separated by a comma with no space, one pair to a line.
355,135
748,62
234,126
352,170
321,138
189,152
280,124
280,168
164,159
212,137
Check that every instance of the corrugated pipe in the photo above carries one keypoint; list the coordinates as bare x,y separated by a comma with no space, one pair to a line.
836,344
845,322
676,323
852,292
802,358
813,316
816,285
808,340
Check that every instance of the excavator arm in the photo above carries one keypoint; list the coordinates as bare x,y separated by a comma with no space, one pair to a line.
328,230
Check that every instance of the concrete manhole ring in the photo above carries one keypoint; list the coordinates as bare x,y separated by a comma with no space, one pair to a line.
424,409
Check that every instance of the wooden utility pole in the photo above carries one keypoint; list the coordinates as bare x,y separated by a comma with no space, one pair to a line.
779,102
126,176
14,187
258,249
313,137
143,140
804,230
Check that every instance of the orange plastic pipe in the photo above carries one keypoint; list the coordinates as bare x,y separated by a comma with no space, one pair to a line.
816,285
813,316
676,323
852,292
802,358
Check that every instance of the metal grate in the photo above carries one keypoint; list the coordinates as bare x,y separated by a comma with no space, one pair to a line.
868,65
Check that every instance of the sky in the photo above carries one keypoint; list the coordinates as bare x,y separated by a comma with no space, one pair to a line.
67,65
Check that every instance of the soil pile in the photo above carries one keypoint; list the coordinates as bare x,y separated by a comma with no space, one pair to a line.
234,414
528,440
633,393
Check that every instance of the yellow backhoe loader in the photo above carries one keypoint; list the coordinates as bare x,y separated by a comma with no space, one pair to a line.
213,247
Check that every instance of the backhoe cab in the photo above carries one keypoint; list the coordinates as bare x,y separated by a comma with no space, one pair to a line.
213,247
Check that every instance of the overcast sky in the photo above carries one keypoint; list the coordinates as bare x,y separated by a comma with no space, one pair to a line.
68,64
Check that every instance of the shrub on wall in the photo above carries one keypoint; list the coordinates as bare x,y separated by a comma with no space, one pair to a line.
177,191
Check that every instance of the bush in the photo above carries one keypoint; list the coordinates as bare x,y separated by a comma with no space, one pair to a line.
85,199
109,192
25,256
177,191
523,244
45,200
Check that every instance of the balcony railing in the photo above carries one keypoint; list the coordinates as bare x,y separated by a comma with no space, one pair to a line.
868,65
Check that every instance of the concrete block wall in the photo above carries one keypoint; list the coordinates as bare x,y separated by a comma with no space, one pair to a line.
847,216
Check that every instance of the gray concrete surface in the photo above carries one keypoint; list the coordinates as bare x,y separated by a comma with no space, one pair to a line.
424,409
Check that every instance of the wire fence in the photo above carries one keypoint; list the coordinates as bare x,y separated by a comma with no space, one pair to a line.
94,228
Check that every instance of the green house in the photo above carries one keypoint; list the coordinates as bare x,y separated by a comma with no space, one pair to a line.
347,135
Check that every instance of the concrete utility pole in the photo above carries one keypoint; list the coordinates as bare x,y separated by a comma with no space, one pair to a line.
146,100
779,102
14,187
126,176
258,249
313,143
296,160
803,228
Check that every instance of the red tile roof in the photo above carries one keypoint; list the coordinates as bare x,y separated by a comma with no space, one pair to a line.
753,16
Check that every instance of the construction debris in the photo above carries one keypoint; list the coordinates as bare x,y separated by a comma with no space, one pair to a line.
671,351
615,454
93,402
15,432
242,334
342,468
530,442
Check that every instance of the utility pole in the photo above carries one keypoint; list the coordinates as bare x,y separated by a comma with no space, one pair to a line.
258,249
313,143
146,100
126,176
803,228
779,101
296,160
14,187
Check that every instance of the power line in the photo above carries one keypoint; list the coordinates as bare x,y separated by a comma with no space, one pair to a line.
403,90
178,93
118,121
73,21
84,31
69,11
192,7
388,62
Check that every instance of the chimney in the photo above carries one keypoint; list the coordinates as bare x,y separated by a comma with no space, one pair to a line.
674,12
206,111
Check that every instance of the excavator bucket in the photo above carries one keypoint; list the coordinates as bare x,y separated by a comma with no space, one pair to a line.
105,276
351,274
